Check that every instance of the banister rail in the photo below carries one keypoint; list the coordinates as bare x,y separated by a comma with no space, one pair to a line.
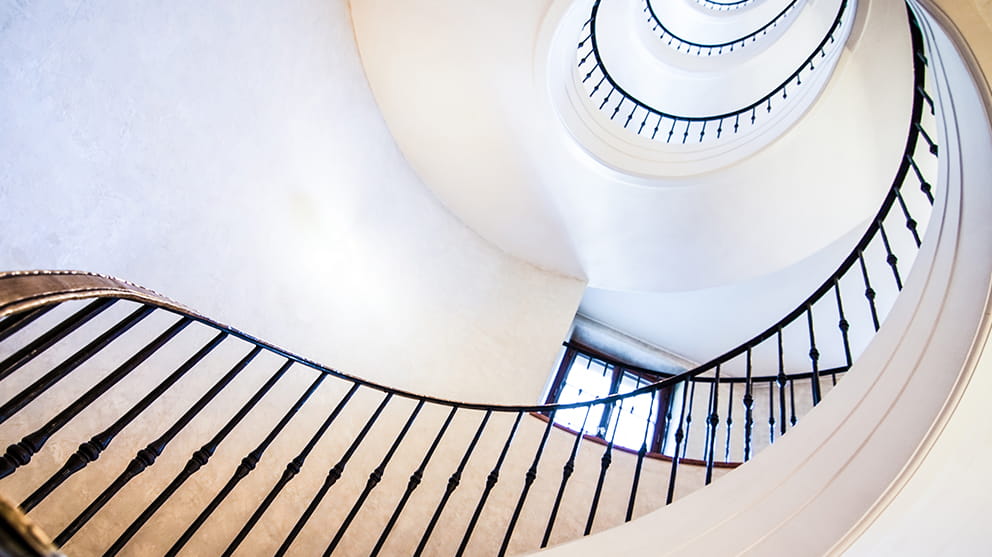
713,48
654,120
40,310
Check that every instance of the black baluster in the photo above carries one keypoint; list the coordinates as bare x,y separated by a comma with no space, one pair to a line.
844,327
780,380
14,362
415,479
198,459
629,116
712,421
491,481
671,131
454,480
617,108
926,97
890,257
68,365
679,436
926,137
771,414
730,422
20,454
374,478
685,134
605,462
869,291
910,221
656,126
748,412
332,477
925,186
528,481
607,98
245,467
146,457
91,450
688,415
641,453
292,469
18,321
792,402
702,132
566,473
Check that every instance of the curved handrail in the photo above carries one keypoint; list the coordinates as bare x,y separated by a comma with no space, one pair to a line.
662,116
711,47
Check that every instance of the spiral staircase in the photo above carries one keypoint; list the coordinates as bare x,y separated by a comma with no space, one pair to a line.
837,405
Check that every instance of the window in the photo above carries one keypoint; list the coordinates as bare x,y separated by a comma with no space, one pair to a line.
585,374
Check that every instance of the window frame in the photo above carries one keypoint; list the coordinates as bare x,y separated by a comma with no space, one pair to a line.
574,349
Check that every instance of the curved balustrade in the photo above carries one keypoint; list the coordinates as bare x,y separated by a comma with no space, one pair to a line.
724,6
698,48
657,124
120,355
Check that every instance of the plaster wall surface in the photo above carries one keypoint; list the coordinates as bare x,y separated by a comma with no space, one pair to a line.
232,156
649,218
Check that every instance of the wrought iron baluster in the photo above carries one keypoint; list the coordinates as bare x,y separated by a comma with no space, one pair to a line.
792,401
730,422
605,462
47,339
869,291
748,403
292,469
245,467
20,454
528,481
566,473
688,415
415,479
890,257
640,458
712,421
679,436
491,481
197,460
91,450
374,478
16,322
814,358
67,366
332,477
453,482
844,326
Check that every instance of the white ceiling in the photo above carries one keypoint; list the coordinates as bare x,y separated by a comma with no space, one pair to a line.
468,92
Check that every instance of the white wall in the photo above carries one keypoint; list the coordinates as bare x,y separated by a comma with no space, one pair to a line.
231,156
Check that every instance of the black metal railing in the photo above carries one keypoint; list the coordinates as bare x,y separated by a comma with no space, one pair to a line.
682,44
478,473
724,6
656,124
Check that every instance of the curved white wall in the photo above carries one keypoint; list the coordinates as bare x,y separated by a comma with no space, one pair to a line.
232,157
465,89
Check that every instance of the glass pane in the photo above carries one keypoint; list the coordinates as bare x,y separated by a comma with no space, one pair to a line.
633,417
